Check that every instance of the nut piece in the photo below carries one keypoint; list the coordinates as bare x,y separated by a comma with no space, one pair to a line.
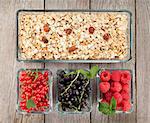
73,48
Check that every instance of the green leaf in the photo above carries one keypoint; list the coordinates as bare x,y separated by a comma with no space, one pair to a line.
70,73
104,107
88,74
112,112
94,70
107,109
85,73
30,104
113,103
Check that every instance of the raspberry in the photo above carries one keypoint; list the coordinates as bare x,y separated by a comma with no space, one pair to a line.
108,96
125,95
116,87
126,106
119,107
104,101
104,87
105,76
125,77
116,75
125,87
118,97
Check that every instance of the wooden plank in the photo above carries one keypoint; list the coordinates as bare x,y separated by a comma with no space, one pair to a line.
8,64
143,58
116,4
54,117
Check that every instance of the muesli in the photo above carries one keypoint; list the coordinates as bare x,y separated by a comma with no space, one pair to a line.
72,35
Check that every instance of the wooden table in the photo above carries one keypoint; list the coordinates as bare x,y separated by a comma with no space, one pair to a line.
140,63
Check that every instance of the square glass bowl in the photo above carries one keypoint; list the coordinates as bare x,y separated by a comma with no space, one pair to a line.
31,35
20,90
73,93
100,95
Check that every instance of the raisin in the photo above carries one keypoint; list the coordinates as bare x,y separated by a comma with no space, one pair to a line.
44,39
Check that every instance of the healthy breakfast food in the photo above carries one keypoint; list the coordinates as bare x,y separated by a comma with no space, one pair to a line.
33,91
115,86
74,90
73,35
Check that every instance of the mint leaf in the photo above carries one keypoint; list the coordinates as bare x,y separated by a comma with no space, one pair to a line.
85,73
30,104
107,109
104,107
70,73
88,74
113,103
94,70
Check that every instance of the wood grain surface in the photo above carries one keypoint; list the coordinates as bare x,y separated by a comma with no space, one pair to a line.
8,64
117,5
54,117
143,60
139,63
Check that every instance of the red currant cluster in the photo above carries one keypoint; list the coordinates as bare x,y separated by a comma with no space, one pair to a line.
33,91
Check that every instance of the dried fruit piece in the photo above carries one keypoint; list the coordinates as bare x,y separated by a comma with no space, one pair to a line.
91,30
73,48
106,36
44,39
68,31
46,27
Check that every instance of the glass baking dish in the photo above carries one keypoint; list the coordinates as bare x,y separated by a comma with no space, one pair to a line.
106,53
100,94
20,92
64,103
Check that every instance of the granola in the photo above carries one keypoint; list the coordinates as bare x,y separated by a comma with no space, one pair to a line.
73,35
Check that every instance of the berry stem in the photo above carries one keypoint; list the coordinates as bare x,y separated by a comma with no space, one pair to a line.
71,83
82,94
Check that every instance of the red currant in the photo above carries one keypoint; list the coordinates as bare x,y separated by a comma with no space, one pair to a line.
27,78
46,74
22,104
23,96
23,73
21,79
